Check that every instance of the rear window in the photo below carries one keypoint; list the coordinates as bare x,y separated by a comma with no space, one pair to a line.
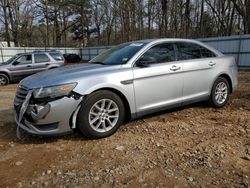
192,51
56,56
207,53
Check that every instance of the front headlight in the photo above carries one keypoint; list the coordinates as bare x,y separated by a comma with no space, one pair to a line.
54,91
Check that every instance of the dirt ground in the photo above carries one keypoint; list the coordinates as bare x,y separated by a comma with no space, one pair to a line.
193,146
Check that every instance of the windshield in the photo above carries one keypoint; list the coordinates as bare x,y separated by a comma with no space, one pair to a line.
10,60
118,55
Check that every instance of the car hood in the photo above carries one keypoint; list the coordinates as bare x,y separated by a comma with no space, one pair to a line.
67,74
3,65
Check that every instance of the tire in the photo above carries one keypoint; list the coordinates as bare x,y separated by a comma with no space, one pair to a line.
100,114
220,93
4,79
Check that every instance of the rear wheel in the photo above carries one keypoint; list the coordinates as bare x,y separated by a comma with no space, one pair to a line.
100,114
220,93
4,80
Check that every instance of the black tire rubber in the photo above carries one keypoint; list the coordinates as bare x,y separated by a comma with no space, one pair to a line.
83,125
212,101
5,77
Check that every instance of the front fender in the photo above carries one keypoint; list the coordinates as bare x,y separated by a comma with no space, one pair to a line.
88,86
6,73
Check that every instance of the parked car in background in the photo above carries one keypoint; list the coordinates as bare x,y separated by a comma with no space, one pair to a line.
25,64
72,58
126,81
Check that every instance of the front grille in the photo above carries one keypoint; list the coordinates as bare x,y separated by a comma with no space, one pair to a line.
21,94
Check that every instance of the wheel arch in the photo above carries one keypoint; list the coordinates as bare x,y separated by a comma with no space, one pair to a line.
229,80
122,97
5,73
53,67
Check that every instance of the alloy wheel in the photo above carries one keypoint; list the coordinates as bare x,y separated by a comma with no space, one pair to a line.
3,80
103,115
221,92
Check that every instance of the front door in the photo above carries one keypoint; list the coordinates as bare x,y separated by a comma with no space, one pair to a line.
158,85
22,67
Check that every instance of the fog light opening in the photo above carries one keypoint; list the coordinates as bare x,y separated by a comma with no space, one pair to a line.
39,112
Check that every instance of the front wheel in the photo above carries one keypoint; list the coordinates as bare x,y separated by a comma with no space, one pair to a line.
100,114
220,93
4,80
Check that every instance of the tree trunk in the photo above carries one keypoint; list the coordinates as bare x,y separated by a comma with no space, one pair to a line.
141,34
248,15
201,17
164,25
57,27
14,22
231,21
187,18
149,18
6,24
47,43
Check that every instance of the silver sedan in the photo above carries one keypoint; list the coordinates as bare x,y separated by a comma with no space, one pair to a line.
127,81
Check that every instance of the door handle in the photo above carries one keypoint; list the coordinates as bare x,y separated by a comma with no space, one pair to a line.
47,64
211,63
28,66
175,68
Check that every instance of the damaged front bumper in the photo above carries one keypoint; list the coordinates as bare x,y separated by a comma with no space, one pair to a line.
48,118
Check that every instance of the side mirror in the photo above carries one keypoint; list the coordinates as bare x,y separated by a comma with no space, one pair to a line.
15,63
145,61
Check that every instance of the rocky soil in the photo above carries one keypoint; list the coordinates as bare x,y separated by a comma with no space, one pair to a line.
193,146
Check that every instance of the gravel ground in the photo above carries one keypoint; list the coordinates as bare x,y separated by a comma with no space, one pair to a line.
193,146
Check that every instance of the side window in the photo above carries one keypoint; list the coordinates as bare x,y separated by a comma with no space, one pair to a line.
161,53
192,51
188,51
56,56
41,58
206,53
24,59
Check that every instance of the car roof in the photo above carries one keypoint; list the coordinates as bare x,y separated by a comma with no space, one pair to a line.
38,51
165,40
155,41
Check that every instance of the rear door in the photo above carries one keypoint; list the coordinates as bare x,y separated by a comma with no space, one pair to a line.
41,62
159,85
198,70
